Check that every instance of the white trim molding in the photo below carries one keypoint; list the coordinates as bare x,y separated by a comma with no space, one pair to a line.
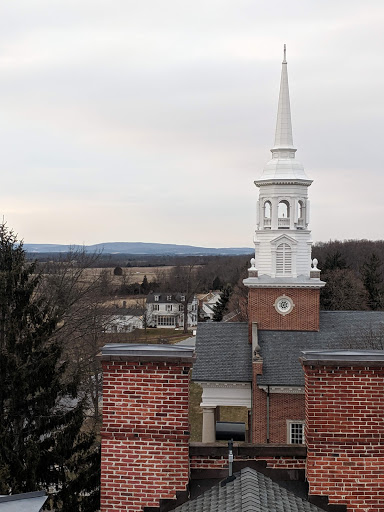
288,390
232,394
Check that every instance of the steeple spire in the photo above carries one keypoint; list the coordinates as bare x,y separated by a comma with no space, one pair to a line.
283,135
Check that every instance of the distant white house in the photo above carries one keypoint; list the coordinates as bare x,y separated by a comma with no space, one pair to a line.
167,310
207,303
123,320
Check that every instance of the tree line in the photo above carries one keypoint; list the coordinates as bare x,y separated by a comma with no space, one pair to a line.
354,273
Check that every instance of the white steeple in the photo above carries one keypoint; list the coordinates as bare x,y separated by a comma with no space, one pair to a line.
283,134
283,164
282,238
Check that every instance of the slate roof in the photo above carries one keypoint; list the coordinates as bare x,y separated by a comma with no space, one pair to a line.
281,350
250,491
163,298
224,354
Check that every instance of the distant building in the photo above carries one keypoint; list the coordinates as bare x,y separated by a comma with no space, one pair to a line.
207,302
167,310
123,320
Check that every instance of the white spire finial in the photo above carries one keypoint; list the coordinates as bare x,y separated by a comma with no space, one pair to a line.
285,55
283,135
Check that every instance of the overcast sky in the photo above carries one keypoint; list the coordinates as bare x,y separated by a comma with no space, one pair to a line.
149,120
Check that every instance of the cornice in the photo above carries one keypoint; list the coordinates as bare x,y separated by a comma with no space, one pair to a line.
224,385
285,390
253,282
278,181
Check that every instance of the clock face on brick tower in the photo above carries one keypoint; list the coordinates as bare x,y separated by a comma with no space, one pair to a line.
284,285
284,305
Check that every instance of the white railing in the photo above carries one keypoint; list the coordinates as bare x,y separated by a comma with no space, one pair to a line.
283,223
267,223
300,222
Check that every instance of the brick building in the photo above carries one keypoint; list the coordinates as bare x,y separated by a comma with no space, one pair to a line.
256,366
315,406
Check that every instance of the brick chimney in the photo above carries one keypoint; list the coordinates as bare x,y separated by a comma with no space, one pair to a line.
145,432
345,428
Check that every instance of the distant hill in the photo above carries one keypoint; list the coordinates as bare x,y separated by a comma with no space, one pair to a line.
140,248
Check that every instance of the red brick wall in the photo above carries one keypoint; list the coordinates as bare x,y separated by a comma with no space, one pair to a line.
303,317
277,462
282,407
145,450
345,435
259,407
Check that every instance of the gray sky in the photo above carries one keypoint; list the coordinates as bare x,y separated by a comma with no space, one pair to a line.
148,120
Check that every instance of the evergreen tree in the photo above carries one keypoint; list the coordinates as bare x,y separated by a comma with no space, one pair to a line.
41,414
334,261
373,281
118,271
144,286
216,284
221,305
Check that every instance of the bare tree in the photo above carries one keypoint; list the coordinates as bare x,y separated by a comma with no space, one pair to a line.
187,281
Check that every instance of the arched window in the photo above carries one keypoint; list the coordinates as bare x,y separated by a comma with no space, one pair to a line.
300,210
301,214
283,260
267,214
267,210
283,213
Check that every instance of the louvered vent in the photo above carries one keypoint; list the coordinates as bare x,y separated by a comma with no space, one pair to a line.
283,260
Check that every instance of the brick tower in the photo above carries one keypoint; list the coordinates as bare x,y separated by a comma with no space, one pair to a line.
284,284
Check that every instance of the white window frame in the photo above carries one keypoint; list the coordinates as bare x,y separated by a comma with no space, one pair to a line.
292,435
156,298
168,321
168,307
156,307
169,297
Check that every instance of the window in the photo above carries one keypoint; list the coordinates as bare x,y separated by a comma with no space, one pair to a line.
168,307
300,209
156,298
267,210
295,432
283,260
181,307
156,307
166,320
283,210
182,298
169,297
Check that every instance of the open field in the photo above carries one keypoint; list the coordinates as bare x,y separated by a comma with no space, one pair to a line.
151,335
130,274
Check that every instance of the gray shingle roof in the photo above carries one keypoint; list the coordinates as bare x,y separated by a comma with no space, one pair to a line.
281,350
224,354
163,298
250,491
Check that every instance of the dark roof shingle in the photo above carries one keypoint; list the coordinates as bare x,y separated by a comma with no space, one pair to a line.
224,353
250,491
